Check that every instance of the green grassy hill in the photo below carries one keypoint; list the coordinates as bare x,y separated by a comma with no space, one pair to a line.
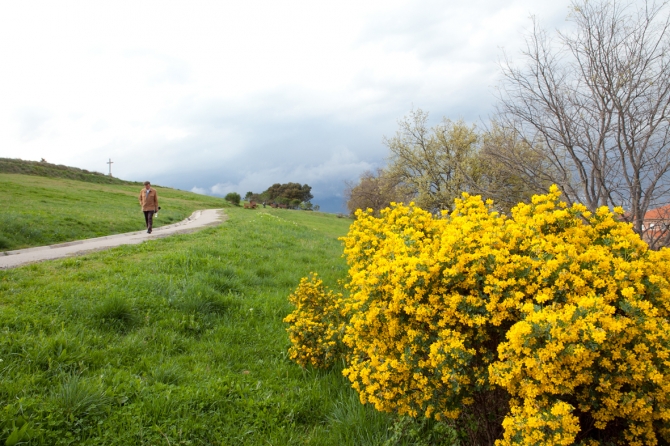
175,341
45,169
178,340
43,210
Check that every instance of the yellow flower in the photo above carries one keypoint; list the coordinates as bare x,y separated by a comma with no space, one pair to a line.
560,307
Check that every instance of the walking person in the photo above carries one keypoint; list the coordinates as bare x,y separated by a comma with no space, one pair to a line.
149,203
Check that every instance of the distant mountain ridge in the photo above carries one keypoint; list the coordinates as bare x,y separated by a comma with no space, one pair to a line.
45,169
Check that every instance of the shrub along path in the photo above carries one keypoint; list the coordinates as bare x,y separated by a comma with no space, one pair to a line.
198,220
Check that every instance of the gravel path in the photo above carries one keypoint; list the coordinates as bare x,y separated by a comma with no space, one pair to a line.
198,220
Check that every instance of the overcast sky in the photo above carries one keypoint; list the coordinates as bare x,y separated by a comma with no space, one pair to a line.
227,96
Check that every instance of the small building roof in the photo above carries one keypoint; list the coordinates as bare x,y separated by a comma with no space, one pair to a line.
662,213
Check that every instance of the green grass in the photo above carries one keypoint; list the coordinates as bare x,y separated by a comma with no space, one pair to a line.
36,211
177,341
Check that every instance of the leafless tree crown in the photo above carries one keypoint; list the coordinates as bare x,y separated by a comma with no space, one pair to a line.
593,102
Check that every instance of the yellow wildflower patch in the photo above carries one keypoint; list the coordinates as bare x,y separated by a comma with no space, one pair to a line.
564,309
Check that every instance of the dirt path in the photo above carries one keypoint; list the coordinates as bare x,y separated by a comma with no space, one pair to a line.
197,220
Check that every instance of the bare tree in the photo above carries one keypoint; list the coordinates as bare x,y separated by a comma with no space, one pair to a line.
374,190
507,168
594,104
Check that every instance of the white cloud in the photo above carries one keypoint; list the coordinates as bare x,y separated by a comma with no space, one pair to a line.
199,190
32,123
223,189
221,96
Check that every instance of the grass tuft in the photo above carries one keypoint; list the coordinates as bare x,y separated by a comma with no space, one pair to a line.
225,282
117,313
78,399
354,423
207,304
169,374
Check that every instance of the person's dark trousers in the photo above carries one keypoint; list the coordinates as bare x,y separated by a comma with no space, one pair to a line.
149,217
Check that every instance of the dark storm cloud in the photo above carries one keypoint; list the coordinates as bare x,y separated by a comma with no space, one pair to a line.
322,151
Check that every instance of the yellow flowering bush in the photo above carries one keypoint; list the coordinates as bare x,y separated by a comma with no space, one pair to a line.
315,324
562,310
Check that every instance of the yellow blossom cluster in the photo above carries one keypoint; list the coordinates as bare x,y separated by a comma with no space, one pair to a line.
315,325
565,309
538,422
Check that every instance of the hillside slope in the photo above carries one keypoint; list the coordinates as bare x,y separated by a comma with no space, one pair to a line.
179,340
45,169
42,210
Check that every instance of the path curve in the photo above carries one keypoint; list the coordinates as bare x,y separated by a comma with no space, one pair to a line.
197,220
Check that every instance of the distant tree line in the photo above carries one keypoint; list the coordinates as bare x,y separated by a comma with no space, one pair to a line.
432,166
587,110
289,195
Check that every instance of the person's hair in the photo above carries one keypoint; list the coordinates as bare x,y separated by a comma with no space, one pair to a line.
147,182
